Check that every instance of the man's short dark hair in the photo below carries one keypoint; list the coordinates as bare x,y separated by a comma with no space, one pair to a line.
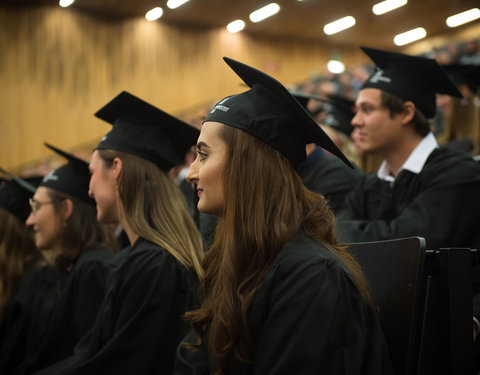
395,105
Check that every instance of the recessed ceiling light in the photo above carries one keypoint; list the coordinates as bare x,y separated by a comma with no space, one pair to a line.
154,14
410,36
236,26
387,6
464,17
335,66
265,12
339,25
65,3
172,4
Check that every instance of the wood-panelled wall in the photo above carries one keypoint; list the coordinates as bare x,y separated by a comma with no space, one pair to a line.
58,66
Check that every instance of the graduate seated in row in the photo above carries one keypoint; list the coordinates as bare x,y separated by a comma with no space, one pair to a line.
154,281
64,305
421,189
280,296
18,254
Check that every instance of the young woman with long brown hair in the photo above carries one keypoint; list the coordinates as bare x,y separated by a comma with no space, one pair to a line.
155,279
280,296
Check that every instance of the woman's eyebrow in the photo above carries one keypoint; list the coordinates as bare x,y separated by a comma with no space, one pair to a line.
201,145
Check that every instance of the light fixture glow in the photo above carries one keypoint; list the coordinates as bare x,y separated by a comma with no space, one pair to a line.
387,6
236,26
464,17
154,14
339,25
172,4
65,3
335,66
410,36
265,12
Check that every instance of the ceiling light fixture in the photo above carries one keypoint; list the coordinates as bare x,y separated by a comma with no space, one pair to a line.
172,4
335,67
410,36
265,12
154,14
236,26
464,17
339,25
65,3
387,6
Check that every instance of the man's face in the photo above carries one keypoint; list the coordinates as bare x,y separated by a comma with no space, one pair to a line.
374,130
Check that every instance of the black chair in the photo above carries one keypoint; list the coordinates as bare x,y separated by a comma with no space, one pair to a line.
424,299
394,271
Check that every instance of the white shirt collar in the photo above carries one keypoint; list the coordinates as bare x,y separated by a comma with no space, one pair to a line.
415,161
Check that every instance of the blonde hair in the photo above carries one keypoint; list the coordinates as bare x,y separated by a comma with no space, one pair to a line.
155,208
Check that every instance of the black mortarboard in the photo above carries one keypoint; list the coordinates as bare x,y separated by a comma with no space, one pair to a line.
464,75
71,179
14,195
142,129
339,114
411,78
270,113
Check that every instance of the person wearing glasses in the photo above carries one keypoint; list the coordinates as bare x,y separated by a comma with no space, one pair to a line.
280,296
155,280
63,221
18,253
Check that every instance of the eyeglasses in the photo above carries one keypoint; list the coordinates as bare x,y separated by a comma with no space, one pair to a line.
35,205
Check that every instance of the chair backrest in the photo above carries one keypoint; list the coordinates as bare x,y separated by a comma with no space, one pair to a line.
394,271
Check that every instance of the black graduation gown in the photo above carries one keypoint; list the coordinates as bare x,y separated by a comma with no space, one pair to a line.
27,314
307,317
329,176
140,323
441,204
74,313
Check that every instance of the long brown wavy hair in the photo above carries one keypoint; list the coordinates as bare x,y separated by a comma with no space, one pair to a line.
266,204
80,232
155,208
17,252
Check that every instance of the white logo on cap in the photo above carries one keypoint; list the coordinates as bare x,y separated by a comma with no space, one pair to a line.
220,106
104,138
378,76
51,176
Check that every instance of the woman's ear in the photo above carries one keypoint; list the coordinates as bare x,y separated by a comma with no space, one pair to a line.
408,112
67,209
117,167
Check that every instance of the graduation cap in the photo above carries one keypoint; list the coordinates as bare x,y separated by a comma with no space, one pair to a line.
15,193
270,113
464,75
71,179
142,129
411,78
339,114
338,109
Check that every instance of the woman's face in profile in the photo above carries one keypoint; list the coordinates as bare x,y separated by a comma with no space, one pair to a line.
207,169
102,189
44,221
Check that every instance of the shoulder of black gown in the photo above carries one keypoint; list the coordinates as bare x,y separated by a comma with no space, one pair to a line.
140,323
307,317
27,314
